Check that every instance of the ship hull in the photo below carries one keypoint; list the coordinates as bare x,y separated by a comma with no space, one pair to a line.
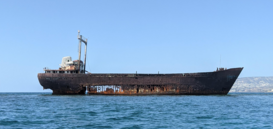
206,83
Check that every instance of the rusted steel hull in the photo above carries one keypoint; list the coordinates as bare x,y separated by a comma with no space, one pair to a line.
206,83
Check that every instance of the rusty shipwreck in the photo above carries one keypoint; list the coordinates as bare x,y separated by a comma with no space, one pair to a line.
72,78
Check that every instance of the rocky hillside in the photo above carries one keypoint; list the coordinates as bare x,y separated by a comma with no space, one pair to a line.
253,84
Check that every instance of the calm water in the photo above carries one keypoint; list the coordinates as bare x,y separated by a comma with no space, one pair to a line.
43,110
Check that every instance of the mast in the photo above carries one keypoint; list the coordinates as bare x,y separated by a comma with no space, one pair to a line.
84,64
84,40
80,48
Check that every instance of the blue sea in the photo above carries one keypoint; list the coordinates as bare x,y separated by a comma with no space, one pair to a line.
43,110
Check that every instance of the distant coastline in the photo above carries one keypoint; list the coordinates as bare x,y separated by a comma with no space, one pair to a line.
253,85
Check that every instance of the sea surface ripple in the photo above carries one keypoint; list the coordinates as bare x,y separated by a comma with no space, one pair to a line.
43,110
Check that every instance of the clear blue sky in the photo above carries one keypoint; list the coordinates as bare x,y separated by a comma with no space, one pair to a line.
128,36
